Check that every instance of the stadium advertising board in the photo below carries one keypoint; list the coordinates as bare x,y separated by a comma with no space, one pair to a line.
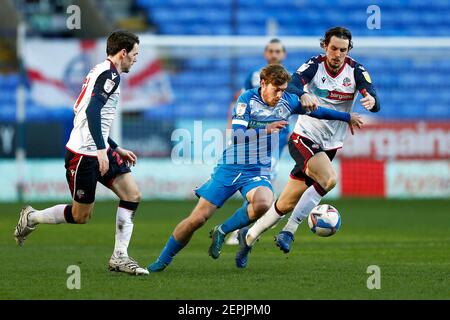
400,140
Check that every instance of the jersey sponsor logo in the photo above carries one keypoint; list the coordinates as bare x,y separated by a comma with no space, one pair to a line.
109,85
367,76
254,124
341,96
240,109
347,82
334,95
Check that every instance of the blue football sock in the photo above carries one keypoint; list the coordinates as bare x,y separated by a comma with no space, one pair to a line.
237,221
170,250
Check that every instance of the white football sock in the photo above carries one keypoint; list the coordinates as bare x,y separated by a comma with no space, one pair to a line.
124,229
309,199
270,218
52,215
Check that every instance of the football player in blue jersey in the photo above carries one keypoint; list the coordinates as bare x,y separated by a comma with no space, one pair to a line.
274,53
246,163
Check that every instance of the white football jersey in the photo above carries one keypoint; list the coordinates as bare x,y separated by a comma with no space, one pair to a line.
337,92
103,82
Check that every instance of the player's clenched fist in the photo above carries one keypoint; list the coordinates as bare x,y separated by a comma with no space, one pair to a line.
309,102
103,162
355,120
368,102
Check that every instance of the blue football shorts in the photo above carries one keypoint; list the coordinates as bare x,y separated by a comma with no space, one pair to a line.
224,182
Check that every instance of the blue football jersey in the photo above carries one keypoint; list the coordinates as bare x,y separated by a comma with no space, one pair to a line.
253,81
251,148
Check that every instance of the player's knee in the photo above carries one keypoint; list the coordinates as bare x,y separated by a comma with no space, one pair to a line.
261,206
201,221
137,195
197,222
198,218
285,206
330,182
133,196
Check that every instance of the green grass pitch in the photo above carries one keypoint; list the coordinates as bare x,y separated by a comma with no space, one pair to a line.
408,240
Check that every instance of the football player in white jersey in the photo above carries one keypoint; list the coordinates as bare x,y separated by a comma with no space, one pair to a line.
332,80
93,157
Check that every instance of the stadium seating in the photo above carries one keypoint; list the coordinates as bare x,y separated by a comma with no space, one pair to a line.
399,18
426,96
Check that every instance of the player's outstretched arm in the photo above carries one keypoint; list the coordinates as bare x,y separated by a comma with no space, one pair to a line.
353,119
330,114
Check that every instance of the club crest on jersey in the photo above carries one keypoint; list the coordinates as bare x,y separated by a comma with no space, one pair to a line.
240,109
347,82
109,85
279,112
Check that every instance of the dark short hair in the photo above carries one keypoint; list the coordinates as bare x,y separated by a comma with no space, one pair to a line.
275,40
120,39
339,32
275,74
